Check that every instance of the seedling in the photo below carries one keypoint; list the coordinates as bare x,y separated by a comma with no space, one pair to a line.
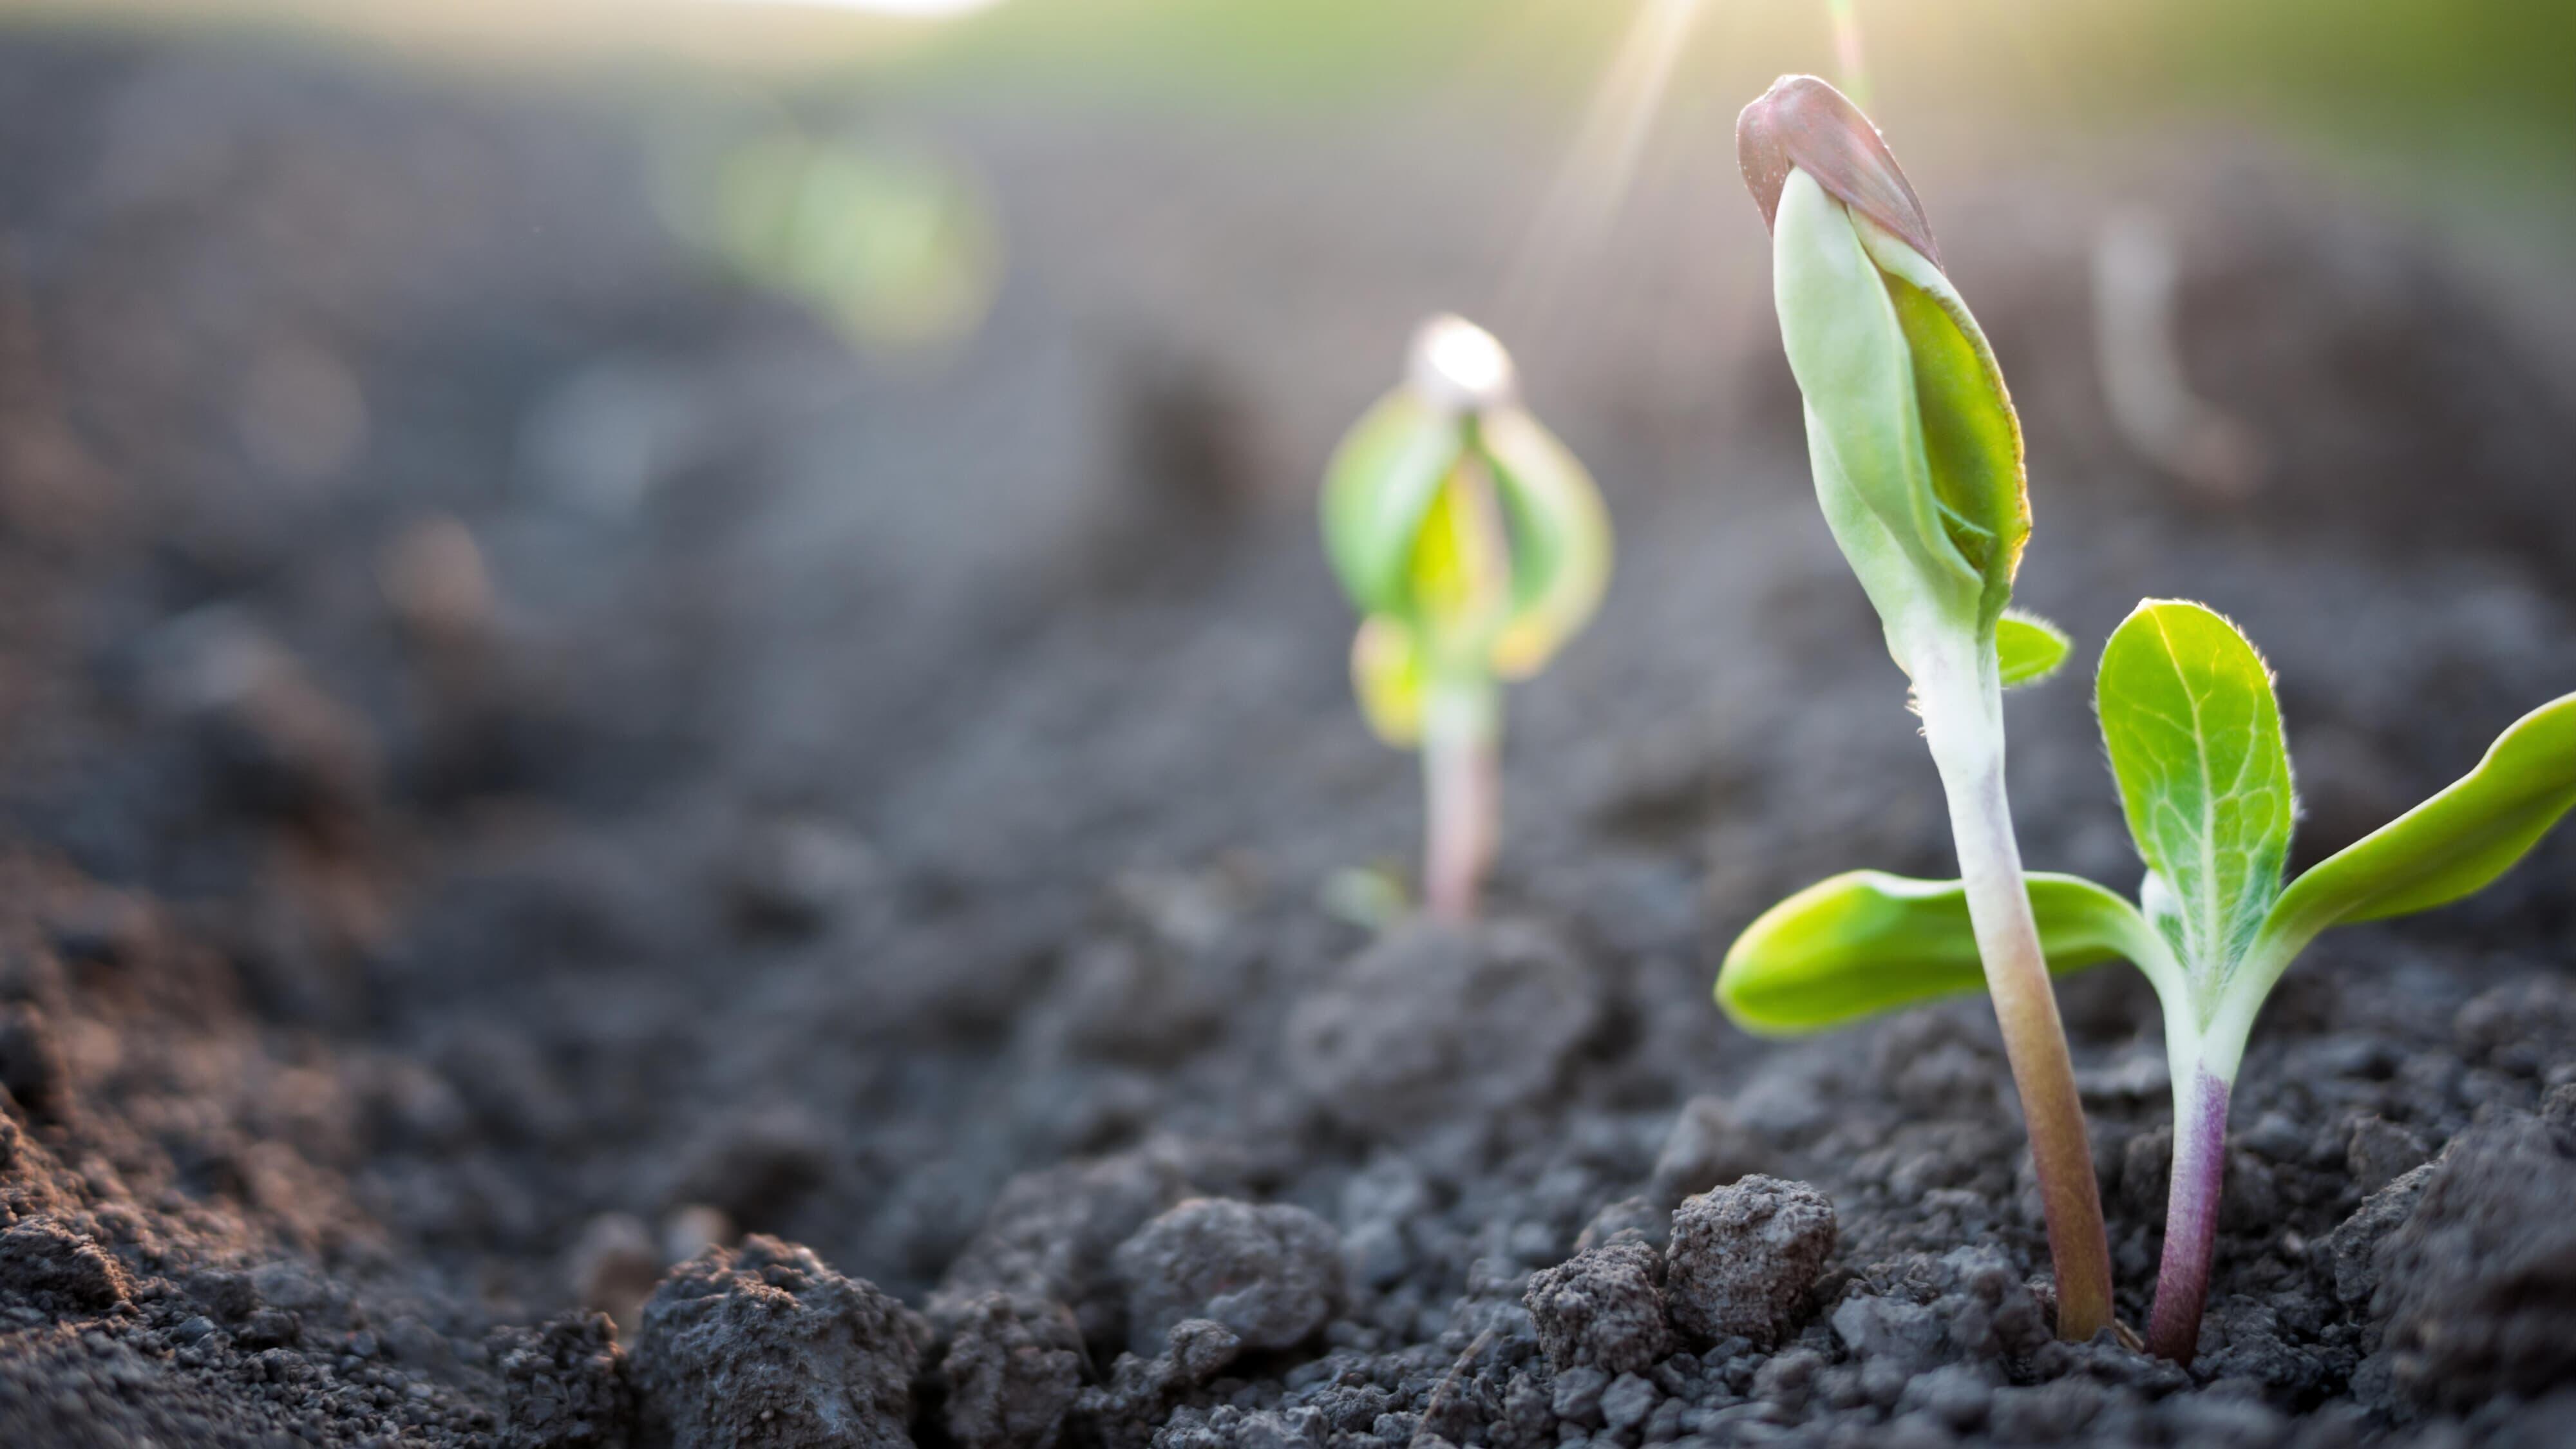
1917,456
2194,737
1474,546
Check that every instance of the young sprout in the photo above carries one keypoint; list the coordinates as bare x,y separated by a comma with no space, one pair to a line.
1917,456
2195,743
1474,546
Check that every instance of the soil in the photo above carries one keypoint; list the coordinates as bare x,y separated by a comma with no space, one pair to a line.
585,867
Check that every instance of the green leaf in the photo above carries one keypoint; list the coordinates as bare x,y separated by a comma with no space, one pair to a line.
1456,587
1971,435
1865,435
2452,845
1389,676
1381,482
1560,539
1866,942
2029,648
2195,742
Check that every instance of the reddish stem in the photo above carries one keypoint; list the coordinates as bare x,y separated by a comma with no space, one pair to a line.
2191,1218
1462,778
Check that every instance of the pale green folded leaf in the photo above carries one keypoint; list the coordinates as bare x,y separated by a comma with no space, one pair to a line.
1866,942
1971,435
1865,440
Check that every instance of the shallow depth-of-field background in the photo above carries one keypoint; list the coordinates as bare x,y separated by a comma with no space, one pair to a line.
619,629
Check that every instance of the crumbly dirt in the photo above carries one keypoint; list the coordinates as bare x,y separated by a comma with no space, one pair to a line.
572,847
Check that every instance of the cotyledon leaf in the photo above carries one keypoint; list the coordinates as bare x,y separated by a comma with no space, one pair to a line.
1381,481
1388,676
1560,539
1848,350
1456,589
1971,435
2194,737
1866,942
2028,648
2450,846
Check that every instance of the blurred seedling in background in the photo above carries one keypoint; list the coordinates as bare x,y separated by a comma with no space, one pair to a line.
2195,742
1917,456
2137,319
1474,546
893,245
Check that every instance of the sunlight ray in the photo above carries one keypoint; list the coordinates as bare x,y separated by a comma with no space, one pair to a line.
1594,179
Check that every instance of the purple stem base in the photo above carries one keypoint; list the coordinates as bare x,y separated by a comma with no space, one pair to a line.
2191,1220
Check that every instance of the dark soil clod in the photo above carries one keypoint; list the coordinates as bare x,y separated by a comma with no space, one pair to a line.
47,1266
565,1385
1603,1308
1270,1274
1743,1258
765,1346
1432,1024
1009,1380
2476,1284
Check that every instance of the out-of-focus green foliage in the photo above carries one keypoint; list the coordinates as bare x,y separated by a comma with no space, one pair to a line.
1271,55
2468,78
2441,97
1473,544
2349,62
2449,99
893,245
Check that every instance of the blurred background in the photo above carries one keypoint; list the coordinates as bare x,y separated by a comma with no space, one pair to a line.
729,589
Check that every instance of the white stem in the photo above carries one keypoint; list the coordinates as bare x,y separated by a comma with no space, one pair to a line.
1961,696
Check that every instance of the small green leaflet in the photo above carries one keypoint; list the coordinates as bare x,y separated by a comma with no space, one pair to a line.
2195,742
2028,648
1866,942
2451,846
